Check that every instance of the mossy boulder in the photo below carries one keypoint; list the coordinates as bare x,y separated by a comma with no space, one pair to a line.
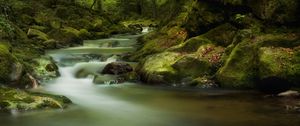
203,16
44,68
222,35
13,72
191,45
192,67
280,62
34,33
277,11
117,68
66,37
160,41
157,69
239,70
14,99
84,34
257,57
50,44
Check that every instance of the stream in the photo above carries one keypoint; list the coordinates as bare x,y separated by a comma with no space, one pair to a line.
134,104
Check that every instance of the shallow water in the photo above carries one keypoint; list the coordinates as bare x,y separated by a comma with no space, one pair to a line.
132,104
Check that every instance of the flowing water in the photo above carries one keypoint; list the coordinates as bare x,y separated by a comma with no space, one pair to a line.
132,104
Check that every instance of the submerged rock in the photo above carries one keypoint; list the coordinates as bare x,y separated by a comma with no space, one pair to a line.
117,68
14,99
83,73
108,79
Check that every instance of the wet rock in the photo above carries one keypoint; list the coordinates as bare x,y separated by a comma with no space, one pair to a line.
44,68
83,73
106,79
203,82
117,68
91,57
136,27
289,93
131,77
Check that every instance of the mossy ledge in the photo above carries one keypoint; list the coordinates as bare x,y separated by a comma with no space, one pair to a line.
20,100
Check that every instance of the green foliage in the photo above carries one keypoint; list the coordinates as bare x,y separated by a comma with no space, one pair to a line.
5,26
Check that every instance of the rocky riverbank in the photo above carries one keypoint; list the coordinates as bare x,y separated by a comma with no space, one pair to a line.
235,44
230,44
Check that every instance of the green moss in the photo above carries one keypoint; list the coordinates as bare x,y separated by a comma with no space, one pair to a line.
280,62
67,36
6,61
158,68
222,35
41,28
34,33
84,34
279,40
160,41
191,45
13,99
44,68
202,17
239,70
192,67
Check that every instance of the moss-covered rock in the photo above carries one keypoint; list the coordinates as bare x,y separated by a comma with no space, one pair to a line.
280,62
277,11
66,37
34,33
84,34
13,99
162,40
192,67
50,44
44,68
191,45
239,70
203,16
257,57
157,69
222,35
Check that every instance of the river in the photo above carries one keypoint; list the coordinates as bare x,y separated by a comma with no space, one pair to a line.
134,104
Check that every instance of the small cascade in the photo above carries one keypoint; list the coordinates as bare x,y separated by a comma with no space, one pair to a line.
145,30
